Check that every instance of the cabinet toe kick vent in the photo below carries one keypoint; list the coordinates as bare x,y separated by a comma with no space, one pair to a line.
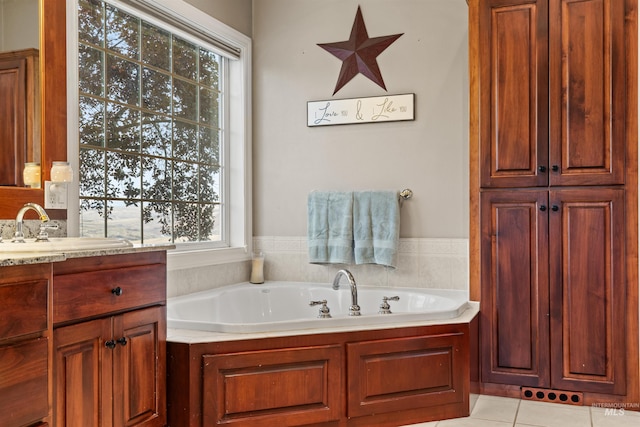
549,395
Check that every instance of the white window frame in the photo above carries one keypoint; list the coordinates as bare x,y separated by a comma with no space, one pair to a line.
238,185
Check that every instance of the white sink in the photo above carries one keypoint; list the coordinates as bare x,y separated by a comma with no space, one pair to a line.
65,244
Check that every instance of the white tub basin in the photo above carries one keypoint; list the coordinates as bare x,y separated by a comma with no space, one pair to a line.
64,244
281,306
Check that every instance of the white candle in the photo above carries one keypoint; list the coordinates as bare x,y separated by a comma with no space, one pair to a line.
257,268
31,175
61,172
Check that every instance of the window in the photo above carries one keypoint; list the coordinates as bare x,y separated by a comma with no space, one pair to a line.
162,125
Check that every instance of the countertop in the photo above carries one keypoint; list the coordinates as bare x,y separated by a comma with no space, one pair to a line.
25,258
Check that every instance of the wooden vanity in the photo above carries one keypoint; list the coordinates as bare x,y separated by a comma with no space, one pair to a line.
83,336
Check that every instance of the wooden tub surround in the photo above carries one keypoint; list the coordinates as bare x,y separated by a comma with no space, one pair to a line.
383,377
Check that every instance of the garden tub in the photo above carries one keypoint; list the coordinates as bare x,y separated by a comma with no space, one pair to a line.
284,306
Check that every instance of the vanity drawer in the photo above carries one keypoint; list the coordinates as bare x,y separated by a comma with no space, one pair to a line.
95,293
24,308
24,382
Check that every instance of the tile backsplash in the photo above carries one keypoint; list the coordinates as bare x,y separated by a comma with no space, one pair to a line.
31,228
422,262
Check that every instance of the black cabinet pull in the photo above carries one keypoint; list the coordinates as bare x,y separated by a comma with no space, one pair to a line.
542,168
543,208
555,208
555,168
117,291
122,341
110,344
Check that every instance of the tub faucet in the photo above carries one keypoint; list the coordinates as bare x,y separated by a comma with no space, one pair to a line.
354,310
19,235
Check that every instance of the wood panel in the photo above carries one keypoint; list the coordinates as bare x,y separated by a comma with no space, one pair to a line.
405,373
187,398
82,375
513,95
139,362
274,387
588,291
24,373
138,287
24,308
587,133
515,287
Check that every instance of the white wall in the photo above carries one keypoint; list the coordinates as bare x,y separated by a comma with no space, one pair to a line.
234,13
19,25
428,155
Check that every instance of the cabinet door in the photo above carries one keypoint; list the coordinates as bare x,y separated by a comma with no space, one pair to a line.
12,120
82,375
587,92
513,60
588,290
515,289
139,368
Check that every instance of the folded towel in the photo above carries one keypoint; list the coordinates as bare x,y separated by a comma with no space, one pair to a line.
376,227
330,227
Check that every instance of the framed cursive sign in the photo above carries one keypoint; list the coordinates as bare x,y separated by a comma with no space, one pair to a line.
387,108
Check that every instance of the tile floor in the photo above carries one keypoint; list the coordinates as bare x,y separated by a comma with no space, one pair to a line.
492,411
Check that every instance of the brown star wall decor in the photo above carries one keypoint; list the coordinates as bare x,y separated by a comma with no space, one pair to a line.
359,53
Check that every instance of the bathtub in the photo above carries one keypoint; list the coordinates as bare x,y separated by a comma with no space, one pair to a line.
284,306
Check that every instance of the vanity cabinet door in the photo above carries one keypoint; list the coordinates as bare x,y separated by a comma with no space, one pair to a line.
111,372
139,373
82,375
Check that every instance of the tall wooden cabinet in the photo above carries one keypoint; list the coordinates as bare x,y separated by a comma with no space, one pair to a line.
554,193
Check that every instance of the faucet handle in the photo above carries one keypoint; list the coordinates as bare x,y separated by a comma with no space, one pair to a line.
324,310
43,236
385,308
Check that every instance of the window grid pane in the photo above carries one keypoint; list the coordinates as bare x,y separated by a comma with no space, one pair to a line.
150,131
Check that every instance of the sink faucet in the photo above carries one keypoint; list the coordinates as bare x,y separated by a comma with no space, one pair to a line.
44,218
354,310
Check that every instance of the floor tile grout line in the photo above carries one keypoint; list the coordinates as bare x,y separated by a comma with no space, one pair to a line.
515,418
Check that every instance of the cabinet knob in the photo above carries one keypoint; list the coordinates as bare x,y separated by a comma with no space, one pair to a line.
542,168
543,208
555,168
122,341
555,208
110,344
117,291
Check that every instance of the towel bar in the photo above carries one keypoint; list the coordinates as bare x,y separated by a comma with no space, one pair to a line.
406,194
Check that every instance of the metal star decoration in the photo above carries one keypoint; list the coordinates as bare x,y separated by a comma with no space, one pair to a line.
359,53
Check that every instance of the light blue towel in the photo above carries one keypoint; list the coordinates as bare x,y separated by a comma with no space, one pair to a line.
376,227
330,227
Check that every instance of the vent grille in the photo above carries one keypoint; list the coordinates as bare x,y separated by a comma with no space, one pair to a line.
549,395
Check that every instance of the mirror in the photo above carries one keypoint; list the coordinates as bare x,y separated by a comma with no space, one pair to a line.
53,107
20,136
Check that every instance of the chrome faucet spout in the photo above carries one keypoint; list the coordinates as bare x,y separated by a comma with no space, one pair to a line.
19,235
354,310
